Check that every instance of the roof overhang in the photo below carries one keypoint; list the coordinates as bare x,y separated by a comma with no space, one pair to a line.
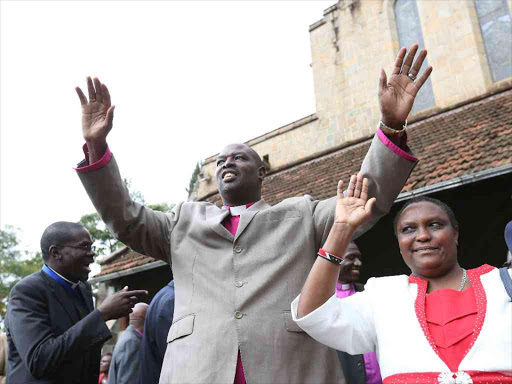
127,272
456,182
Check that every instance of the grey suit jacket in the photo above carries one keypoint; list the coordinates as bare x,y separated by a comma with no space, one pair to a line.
48,341
125,364
235,292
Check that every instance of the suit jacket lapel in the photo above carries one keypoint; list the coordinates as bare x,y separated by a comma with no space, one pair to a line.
247,216
214,218
87,296
62,297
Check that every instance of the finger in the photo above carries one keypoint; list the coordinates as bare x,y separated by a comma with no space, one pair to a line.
383,81
409,59
398,62
106,95
359,185
351,186
139,292
418,63
364,190
125,288
90,88
368,207
424,76
81,96
339,192
110,117
99,93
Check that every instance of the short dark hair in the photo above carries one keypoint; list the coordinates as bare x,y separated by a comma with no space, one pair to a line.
58,233
420,199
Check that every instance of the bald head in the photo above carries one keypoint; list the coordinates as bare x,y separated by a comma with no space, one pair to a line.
352,250
245,148
138,316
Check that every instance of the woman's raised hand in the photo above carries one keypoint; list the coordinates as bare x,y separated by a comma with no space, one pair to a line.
353,208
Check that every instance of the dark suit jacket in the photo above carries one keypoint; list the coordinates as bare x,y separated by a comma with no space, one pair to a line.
154,342
49,341
353,365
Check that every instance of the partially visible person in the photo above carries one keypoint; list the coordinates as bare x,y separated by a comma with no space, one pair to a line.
508,240
54,333
154,341
104,367
3,357
441,324
358,369
124,368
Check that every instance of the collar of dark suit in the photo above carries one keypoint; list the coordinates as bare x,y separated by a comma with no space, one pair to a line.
59,278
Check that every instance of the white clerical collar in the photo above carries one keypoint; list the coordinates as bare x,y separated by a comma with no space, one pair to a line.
73,285
345,287
237,211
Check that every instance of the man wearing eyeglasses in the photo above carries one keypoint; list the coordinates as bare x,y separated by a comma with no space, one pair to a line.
54,333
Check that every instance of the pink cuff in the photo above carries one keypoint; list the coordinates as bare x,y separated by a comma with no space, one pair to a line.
396,149
84,165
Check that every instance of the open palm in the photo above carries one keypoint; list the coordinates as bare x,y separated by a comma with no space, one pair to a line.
97,113
354,208
397,95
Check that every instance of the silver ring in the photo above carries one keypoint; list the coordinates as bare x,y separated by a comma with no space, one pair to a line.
411,76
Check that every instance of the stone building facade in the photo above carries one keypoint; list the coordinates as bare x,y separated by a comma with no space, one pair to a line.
349,45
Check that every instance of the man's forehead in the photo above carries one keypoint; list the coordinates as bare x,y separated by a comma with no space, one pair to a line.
235,148
82,234
353,249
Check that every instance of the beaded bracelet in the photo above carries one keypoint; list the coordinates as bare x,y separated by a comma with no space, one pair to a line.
330,257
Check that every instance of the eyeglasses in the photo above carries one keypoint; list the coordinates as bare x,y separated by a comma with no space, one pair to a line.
85,248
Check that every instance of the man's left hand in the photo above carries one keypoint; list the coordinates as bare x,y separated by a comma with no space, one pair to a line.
397,94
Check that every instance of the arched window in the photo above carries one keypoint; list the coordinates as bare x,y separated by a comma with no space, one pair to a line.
409,32
496,26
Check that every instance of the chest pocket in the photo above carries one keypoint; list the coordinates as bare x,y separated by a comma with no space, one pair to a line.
181,328
283,215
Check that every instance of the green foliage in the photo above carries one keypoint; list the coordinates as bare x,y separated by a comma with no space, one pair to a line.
104,242
162,207
193,178
14,265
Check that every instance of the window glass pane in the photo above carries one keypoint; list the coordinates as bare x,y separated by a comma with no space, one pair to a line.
409,32
496,26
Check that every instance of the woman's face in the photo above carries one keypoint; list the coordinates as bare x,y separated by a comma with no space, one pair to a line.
105,363
427,240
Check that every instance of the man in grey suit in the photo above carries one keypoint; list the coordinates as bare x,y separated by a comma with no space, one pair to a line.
54,333
126,359
238,268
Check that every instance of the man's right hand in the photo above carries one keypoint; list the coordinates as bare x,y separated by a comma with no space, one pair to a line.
120,304
97,117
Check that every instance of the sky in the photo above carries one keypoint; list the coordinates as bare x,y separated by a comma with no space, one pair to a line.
186,78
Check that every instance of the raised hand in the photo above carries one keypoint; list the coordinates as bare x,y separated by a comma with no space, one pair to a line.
397,94
354,208
120,304
97,117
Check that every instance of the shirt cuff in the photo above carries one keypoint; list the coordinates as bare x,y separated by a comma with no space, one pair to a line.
84,165
396,149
